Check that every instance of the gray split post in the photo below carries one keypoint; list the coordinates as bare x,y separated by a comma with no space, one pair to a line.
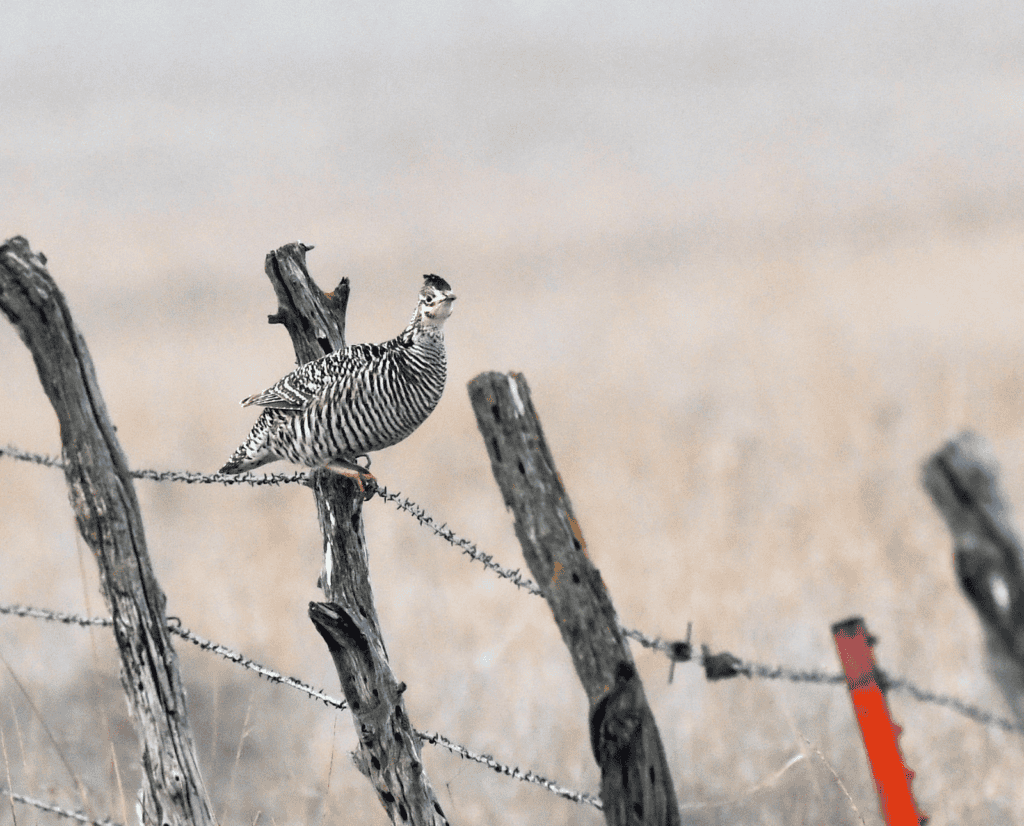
636,787
107,512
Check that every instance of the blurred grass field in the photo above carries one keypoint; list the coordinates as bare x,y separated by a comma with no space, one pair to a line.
742,452
755,264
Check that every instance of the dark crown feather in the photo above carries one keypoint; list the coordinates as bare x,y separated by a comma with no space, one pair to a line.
437,283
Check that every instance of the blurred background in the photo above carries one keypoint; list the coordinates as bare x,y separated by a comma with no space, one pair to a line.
756,261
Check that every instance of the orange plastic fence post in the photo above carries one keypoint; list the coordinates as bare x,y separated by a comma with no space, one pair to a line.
880,733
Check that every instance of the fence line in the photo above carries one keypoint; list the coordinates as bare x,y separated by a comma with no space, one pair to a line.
721,665
718,666
712,664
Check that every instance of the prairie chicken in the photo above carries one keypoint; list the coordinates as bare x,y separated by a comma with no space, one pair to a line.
362,398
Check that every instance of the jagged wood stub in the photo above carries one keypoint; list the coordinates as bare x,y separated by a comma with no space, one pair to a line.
636,787
389,748
108,517
962,478
315,320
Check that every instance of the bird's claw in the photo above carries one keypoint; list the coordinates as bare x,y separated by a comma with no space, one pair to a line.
367,483
364,480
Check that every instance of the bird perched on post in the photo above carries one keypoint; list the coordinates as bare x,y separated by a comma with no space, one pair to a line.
362,398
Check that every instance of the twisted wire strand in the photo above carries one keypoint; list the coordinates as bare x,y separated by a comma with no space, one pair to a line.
175,627
466,546
194,478
403,504
234,657
971,712
34,458
54,616
511,771
42,805
187,476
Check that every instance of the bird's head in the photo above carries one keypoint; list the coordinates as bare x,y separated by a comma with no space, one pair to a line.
436,299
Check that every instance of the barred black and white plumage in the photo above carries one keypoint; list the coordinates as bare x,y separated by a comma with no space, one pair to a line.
362,398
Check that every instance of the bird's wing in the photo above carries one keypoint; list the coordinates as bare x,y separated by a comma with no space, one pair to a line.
302,386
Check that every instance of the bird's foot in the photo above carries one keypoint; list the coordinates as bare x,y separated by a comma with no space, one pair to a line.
365,481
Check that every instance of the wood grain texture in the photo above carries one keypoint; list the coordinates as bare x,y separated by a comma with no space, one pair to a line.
636,787
108,517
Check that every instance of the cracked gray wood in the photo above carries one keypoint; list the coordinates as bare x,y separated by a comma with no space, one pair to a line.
636,786
108,517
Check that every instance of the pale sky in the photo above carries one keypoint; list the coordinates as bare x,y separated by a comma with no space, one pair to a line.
170,119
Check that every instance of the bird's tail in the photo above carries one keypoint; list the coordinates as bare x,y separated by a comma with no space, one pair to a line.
253,452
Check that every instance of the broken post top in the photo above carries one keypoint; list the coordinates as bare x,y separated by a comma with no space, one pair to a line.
315,320
506,397
109,519
963,475
36,307
962,480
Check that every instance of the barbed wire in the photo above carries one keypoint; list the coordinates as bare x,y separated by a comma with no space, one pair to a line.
189,477
195,478
53,616
57,810
511,771
722,665
175,627
466,546
716,666
972,712
34,458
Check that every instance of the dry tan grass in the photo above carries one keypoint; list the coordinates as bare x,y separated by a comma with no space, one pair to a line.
741,436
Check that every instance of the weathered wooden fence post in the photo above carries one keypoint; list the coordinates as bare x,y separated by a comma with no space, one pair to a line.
389,748
962,478
109,520
636,787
